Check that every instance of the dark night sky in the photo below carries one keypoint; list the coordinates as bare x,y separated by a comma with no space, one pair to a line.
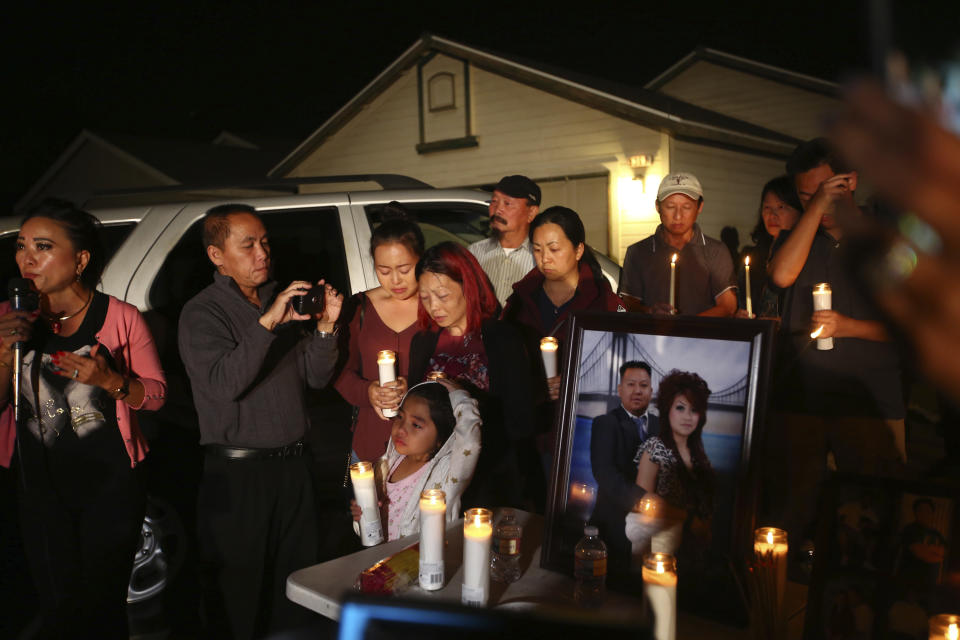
190,70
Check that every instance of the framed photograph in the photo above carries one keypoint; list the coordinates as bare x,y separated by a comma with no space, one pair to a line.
885,558
622,372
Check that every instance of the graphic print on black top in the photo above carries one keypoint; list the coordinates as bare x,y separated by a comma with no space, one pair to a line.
65,403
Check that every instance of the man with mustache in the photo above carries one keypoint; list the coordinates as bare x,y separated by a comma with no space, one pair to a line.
704,275
615,440
506,256
847,400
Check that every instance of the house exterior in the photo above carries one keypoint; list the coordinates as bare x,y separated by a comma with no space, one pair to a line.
453,115
99,169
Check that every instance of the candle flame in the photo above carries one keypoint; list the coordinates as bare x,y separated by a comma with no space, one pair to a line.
746,261
816,334
660,568
769,537
953,632
673,260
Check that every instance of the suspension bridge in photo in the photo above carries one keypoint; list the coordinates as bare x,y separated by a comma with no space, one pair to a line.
600,371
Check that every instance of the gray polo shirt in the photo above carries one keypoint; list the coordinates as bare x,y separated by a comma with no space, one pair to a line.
249,383
502,267
704,271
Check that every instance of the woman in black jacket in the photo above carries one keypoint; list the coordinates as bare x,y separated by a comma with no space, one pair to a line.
460,337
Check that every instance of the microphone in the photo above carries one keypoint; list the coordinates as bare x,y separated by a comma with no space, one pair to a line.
22,298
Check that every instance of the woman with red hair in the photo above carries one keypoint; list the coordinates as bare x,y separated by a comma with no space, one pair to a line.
461,337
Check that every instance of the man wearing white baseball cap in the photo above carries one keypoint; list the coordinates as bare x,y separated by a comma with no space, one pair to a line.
705,277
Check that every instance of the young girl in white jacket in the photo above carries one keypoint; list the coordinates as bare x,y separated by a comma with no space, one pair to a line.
434,444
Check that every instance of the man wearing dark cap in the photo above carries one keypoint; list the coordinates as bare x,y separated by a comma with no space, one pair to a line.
704,276
506,256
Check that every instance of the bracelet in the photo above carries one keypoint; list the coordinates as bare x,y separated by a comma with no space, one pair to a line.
328,334
123,390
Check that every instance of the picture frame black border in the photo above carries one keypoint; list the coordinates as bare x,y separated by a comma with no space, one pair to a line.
759,333
823,571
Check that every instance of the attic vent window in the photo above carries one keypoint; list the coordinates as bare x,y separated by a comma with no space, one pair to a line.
440,92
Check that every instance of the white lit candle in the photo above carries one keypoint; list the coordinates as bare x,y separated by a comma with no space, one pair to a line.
647,508
386,361
477,532
581,500
746,266
433,509
365,492
945,627
548,351
660,588
770,555
673,282
822,301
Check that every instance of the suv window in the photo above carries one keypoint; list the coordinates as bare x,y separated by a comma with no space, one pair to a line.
460,222
305,244
112,235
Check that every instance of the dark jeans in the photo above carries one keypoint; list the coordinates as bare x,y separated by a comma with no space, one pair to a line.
257,524
80,556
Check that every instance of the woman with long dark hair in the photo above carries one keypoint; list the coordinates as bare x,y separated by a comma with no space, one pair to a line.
460,337
674,464
89,362
567,278
780,209
383,318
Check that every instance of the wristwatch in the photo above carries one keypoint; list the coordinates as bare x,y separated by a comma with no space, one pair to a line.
123,390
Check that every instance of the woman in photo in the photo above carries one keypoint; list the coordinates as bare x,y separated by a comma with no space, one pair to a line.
89,363
674,464
434,443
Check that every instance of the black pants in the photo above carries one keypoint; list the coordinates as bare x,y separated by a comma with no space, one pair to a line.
257,524
80,556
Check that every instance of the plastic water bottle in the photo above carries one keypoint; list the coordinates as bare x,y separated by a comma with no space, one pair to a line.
590,569
505,559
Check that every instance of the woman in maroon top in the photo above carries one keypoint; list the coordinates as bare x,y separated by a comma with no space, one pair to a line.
383,318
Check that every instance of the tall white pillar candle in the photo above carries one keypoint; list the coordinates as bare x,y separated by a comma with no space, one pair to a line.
477,533
660,588
770,554
386,362
365,492
746,266
673,282
822,301
548,351
433,509
945,626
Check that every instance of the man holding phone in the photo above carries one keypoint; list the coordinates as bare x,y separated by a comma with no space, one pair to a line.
249,365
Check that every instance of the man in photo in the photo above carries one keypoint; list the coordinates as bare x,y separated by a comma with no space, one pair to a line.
922,548
614,453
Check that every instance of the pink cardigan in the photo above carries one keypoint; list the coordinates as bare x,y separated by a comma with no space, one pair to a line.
126,335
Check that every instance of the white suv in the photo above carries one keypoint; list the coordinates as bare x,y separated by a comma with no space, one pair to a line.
157,262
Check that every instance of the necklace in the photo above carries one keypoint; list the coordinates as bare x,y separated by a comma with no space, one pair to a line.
56,322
